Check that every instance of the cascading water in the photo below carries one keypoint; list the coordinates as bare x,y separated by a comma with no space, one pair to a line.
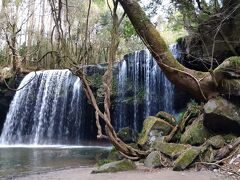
47,111
52,108
136,89
122,66
146,85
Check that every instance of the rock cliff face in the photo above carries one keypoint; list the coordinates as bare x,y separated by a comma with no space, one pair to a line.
215,39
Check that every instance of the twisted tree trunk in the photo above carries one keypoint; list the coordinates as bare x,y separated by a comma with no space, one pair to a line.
202,85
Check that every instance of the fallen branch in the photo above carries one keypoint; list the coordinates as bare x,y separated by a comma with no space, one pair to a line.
226,150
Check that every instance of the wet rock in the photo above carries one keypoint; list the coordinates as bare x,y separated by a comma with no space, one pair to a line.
153,160
166,117
186,158
196,133
217,141
222,116
170,149
153,129
123,165
127,135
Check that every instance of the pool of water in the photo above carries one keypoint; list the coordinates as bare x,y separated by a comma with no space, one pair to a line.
20,160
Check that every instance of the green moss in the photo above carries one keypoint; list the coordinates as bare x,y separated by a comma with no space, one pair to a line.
123,165
95,80
170,149
103,161
139,98
230,86
208,155
217,141
127,135
191,113
153,123
196,134
194,108
186,158
229,138
234,61
153,160
166,117
114,155
176,137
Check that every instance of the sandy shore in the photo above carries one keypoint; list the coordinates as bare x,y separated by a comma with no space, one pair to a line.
138,174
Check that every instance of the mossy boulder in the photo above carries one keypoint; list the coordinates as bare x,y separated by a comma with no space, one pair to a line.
208,155
166,117
114,155
127,135
186,158
231,87
153,160
170,149
123,165
229,67
192,112
229,138
153,129
228,75
196,133
222,116
217,141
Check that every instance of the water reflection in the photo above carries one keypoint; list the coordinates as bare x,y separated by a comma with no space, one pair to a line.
18,160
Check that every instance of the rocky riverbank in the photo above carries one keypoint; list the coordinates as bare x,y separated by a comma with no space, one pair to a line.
141,173
187,143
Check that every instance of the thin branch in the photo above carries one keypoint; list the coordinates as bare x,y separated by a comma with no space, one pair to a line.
12,89
109,7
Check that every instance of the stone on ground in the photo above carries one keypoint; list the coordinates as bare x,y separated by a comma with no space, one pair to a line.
217,141
123,165
222,116
153,160
153,129
170,149
208,155
196,133
187,158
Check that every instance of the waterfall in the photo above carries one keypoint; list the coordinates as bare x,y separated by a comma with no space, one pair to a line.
52,108
143,78
136,89
147,83
46,111
122,66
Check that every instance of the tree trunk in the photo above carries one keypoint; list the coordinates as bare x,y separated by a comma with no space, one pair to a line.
200,84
